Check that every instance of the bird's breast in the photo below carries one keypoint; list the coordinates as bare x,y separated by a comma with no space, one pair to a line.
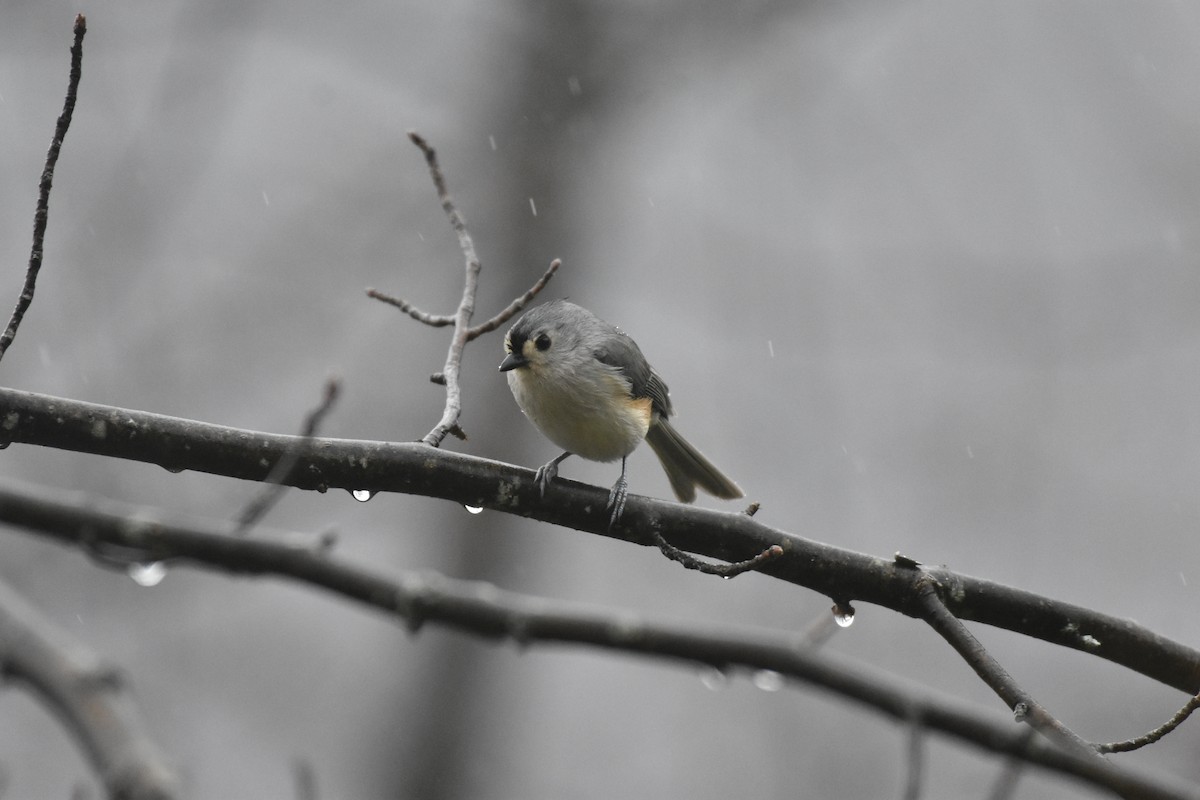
595,417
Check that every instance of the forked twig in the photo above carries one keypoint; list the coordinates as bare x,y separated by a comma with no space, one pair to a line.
1025,708
516,305
42,213
461,319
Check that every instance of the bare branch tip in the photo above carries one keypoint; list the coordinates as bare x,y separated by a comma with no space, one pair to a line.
426,148
80,24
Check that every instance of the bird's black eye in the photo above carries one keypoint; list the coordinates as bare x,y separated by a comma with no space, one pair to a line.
542,342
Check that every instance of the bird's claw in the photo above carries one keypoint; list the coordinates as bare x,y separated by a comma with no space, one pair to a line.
545,474
616,501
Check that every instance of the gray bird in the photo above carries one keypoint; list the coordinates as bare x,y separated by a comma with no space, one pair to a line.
586,385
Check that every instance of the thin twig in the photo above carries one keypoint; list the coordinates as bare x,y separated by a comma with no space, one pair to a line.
42,213
433,320
466,306
516,305
492,613
1154,735
1024,706
730,570
461,319
274,486
89,696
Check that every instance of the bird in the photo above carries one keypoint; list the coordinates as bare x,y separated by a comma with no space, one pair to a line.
587,387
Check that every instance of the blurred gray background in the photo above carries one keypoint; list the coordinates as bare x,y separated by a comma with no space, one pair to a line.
922,277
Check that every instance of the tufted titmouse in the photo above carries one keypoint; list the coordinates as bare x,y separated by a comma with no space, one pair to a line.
588,388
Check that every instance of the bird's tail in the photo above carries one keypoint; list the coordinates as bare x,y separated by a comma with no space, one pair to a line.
686,467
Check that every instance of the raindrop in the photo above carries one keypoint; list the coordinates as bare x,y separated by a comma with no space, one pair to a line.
843,615
149,574
768,680
473,509
713,678
361,495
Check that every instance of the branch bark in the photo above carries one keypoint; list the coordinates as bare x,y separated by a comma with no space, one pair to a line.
414,468
89,697
481,609
41,215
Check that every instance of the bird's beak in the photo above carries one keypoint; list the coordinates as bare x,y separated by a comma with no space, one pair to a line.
512,361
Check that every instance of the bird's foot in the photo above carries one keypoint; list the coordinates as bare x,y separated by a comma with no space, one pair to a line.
545,474
616,501
548,472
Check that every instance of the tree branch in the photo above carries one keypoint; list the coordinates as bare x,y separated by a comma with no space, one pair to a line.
461,319
412,468
90,698
1153,736
466,306
516,305
1022,703
724,570
484,610
432,320
270,494
42,214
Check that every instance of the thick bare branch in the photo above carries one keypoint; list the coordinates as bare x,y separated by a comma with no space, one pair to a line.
411,468
88,696
42,214
482,609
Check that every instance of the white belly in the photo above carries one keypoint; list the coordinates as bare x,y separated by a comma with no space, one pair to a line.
595,421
